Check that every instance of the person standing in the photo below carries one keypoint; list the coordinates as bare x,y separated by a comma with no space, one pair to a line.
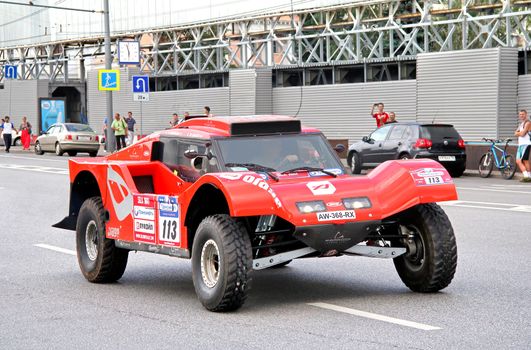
119,126
25,129
7,128
130,128
392,118
524,145
206,111
380,116
174,120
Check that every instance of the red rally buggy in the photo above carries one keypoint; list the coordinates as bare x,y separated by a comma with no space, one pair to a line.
238,194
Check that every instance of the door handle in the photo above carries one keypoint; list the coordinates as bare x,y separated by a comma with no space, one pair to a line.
400,143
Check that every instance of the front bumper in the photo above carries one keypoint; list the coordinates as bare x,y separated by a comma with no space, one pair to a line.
340,237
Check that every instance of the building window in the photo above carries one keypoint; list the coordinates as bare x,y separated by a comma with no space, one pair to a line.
350,74
285,78
524,62
408,70
321,76
382,72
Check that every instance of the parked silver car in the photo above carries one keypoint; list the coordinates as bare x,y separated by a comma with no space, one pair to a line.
70,138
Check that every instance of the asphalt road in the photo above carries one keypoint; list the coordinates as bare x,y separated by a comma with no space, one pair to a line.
336,303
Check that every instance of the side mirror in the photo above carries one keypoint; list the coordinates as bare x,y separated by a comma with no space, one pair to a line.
191,154
340,148
365,139
197,163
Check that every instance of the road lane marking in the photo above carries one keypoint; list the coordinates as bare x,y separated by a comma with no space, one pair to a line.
41,159
492,190
56,249
378,317
40,169
489,205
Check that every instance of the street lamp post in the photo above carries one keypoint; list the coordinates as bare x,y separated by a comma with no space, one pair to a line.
109,140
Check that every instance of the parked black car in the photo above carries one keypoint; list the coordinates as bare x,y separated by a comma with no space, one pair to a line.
406,140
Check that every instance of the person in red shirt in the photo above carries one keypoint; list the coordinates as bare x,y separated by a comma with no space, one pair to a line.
380,116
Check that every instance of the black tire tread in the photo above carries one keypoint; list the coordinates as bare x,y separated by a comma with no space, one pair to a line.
238,252
444,264
355,163
114,259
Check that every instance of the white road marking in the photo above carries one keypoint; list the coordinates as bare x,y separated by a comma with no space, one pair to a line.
41,169
489,205
492,190
56,249
372,316
41,158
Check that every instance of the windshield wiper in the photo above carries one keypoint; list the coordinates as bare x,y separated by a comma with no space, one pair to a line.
254,166
309,168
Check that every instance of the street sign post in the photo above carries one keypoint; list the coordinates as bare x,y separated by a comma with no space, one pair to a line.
140,85
10,72
109,79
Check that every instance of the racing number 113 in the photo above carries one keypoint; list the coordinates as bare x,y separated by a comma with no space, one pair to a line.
169,229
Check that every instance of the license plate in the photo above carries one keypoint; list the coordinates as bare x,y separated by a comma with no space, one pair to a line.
336,215
83,138
447,158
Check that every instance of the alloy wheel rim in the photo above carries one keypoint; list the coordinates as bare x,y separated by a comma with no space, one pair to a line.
210,263
91,240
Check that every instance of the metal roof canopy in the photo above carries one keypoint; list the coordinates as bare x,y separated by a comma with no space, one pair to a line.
357,32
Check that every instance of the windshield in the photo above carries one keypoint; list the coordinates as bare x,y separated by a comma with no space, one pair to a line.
278,153
439,132
78,128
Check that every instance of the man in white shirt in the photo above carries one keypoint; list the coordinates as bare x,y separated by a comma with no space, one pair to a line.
524,145
7,128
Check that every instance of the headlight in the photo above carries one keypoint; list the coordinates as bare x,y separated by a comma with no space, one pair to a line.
311,207
357,203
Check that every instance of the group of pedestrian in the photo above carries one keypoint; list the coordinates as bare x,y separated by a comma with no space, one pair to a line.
124,128
7,128
176,120
382,117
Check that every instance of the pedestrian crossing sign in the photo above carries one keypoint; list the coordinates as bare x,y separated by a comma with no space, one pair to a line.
108,79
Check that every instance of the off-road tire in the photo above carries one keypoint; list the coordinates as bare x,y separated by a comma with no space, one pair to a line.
485,170
235,263
72,153
110,262
437,268
58,150
354,162
38,149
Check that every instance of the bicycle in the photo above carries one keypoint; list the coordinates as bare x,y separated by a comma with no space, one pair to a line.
504,163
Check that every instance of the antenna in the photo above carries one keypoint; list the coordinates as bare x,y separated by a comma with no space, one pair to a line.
436,113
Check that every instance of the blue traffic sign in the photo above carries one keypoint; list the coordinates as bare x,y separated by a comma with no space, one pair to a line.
140,83
10,72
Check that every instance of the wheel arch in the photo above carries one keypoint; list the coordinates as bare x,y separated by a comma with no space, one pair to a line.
207,200
82,188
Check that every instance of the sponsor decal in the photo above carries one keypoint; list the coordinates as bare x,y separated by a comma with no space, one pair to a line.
338,238
230,176
144,213
334,204
321,187
335,171
144,226
430,176
169,227
121,197
260,183
336,215
113,232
